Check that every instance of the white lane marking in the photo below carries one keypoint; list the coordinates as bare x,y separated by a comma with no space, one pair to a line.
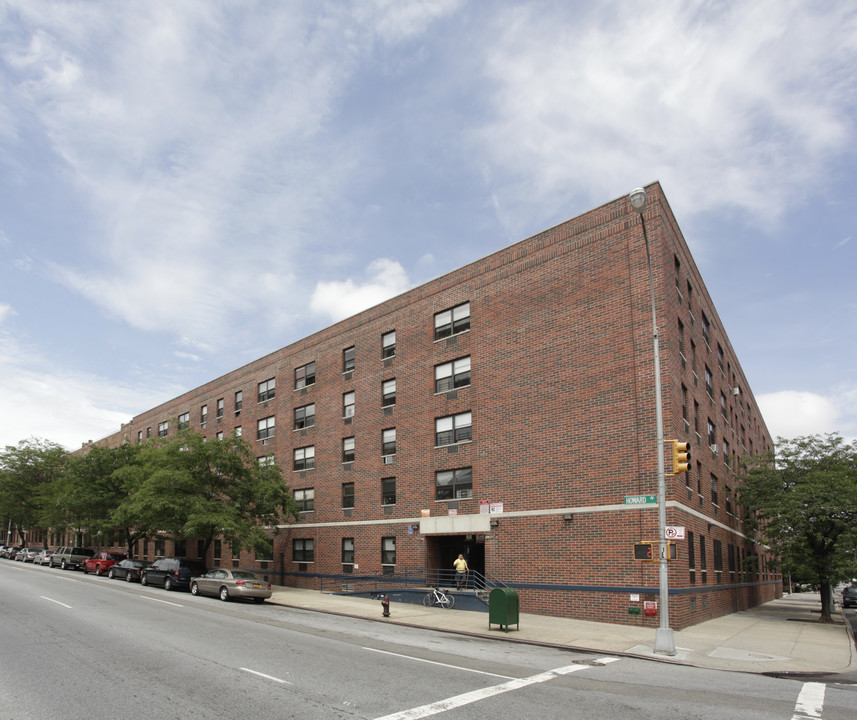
55,601
434,662
267,677
477,695
810,701
166,602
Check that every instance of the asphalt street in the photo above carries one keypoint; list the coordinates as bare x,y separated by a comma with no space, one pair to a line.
76,646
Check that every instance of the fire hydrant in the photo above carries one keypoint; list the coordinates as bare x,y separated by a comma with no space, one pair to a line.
385,605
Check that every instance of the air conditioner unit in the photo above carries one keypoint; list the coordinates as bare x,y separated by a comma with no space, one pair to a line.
388,459
736,391
713,448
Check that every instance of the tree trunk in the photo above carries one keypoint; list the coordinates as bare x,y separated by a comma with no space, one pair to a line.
826,596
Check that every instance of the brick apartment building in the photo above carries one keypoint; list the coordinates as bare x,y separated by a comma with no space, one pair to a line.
505,411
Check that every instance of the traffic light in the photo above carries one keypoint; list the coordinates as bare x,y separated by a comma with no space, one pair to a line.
681,457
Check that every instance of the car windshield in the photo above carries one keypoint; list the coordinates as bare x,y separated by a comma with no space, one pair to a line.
115,556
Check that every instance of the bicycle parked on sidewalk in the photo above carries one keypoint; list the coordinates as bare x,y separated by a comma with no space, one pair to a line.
440,598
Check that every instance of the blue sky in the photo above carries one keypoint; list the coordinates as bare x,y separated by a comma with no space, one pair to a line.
186,186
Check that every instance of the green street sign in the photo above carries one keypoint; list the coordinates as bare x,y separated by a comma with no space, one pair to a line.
641,499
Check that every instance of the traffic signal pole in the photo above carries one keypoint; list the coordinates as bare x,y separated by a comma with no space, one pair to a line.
664,640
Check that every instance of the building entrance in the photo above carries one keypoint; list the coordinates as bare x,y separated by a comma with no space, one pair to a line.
444,549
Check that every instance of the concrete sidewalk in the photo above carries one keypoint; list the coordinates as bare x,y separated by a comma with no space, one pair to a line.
779,637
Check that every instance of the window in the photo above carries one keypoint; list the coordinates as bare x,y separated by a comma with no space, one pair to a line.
723,410
148,432
239,401
388,441
238,431
305,375
303,550
348,449
453,429
720,356
184,421
220,408
347,551
348,356
452,484
681,340
163,429
718,556
139,436
305,498
684,405
706,329
388,551
218,435
714,490
708,386
304,417
203,415
703,561
677,273
388,344
266,555
452,375
453,321
348,495
348,404
266,460
304,458
712,436
388,491
265,428
388,393
267,389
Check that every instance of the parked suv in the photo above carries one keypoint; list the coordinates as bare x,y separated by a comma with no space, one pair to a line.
71,557
172,573
101,562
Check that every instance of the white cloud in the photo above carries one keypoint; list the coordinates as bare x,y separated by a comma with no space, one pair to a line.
792,413
730,105
65,407
341,299
6,311
196,136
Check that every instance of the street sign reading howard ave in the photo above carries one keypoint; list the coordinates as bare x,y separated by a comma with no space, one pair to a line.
641,499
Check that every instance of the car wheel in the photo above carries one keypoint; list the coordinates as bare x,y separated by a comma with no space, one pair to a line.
194,589
168,584
127,577
63,565
143,579
111,574
224,594
99,570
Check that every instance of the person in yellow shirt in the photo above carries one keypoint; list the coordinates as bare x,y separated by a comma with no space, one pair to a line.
460,572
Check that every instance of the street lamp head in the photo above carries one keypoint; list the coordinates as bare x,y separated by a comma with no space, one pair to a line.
637,199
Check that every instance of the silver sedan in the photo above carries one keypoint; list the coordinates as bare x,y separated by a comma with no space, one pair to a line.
231,584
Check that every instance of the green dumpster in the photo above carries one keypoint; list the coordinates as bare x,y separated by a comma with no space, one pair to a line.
503,608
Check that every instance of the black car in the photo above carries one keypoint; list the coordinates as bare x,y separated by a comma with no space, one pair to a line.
849,596
127,570
172,573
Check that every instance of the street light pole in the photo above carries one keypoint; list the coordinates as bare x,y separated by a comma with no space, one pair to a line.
664,641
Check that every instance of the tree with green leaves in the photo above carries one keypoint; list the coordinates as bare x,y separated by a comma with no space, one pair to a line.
93,494
26,471
191,488
802,501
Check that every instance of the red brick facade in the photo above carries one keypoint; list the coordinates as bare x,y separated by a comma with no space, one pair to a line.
561,401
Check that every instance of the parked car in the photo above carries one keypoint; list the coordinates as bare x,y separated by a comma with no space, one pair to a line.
43,557
70,557
10,551
849,596
101,562
127,569
28,554
229,584
172,573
